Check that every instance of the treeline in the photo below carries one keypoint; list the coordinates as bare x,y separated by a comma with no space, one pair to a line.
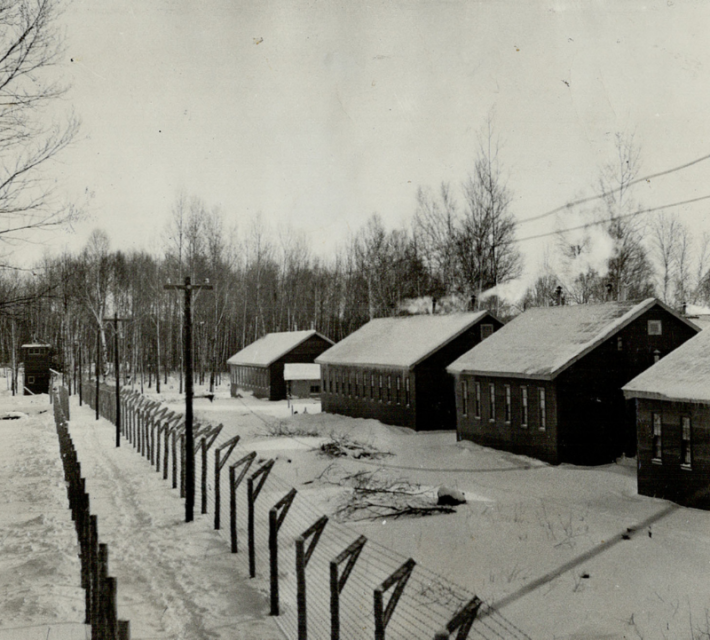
459,252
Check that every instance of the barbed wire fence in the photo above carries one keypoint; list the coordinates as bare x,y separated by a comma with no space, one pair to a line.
323,579
100,588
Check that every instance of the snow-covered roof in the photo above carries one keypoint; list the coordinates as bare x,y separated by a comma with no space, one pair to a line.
542,342
702,321
32,345
271,347
301,371
399,342
683,375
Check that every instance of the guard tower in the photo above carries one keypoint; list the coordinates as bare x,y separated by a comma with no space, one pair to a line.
36,359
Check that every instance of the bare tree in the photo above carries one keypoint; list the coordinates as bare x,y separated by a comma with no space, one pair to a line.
664,241
486,252
630,270
30,137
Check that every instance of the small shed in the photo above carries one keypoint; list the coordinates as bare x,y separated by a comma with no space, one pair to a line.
394,369
673,425
259,367
36,359
302,379
548,384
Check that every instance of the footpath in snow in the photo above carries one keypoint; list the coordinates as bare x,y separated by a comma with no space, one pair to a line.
174,580
40,589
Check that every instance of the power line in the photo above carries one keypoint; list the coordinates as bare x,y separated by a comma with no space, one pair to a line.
569,205
607,220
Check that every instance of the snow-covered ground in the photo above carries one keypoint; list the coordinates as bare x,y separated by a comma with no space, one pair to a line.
565,552
40,593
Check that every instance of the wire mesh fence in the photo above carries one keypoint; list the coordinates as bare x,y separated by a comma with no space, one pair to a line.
317,589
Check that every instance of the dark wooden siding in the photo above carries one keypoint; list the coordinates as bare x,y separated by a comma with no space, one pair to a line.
493,430
432,402
596,424
435,390
667,478
343,392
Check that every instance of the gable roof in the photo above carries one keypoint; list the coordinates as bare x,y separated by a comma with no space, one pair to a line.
544,341
683,375
271,347
400,342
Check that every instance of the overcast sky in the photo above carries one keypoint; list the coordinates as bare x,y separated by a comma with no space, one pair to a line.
319,113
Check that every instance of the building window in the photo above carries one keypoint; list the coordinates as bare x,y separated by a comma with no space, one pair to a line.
686,457
315,388
407,397
380,387
464,397
619,344
492,402
655,328
350,384
30,379
337,384
330,381
656,355
542,408
357,385
398,390
477,401
657,438
507,403
524,407
372,386
389,389
486,330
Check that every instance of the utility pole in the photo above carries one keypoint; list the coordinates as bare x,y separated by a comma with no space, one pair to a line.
116,366
98,367
188,288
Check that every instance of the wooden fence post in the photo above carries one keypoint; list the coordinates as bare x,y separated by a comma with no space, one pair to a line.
277,515
219,462
463,620
383,613
124,630
234,482
303,555
252,494
337,583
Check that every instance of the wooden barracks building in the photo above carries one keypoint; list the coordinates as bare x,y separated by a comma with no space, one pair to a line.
673,425
394,369
259,367
548,384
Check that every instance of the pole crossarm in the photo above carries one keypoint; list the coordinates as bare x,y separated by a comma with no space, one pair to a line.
383,612
464,619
